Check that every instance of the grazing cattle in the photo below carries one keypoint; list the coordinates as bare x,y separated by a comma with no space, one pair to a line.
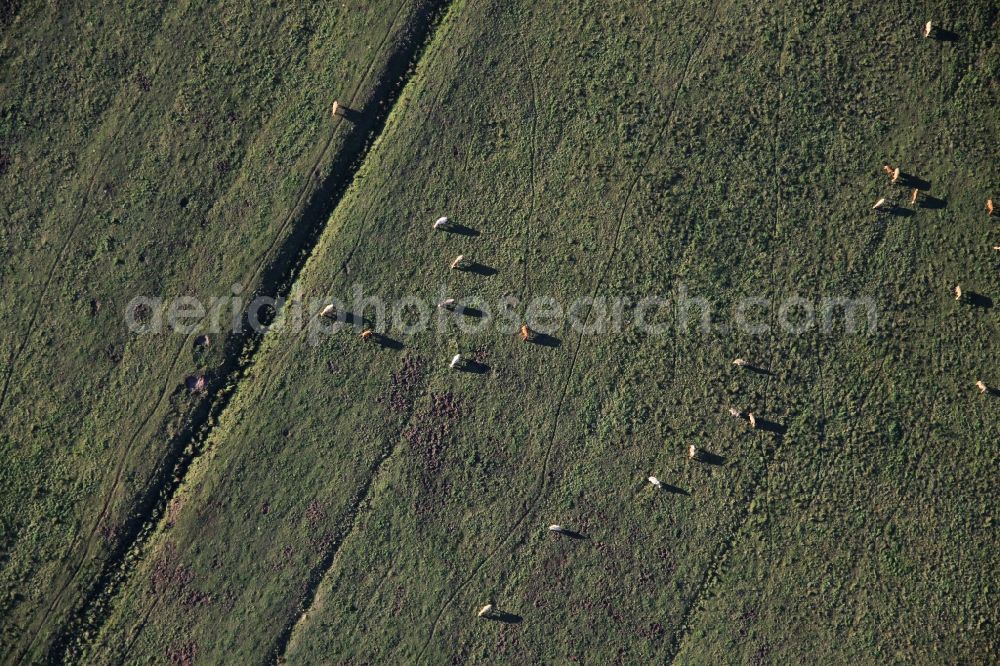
928,29
456,361
441,223
557,528
981,385
753,420
735,413
888,169
741,362
329,311
694,453
882,206
368,335
526,333
957,291
655,481
460,262
485,611
989,207
914,196
447,304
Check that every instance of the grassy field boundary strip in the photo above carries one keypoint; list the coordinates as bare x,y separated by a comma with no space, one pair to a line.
444,16
282,274
435,32
297,211
531,166
307,191
311,595
437,15
312,210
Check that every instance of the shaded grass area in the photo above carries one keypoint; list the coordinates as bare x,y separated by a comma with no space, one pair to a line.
358,503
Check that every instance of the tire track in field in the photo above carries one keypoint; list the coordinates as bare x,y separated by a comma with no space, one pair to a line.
323,568
92,533
119,473
531,173
350,517
18,349
540,484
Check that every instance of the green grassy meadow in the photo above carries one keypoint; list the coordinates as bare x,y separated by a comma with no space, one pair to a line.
154,148
330,500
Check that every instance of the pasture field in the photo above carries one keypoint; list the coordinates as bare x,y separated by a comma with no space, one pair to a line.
153,148
334,500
